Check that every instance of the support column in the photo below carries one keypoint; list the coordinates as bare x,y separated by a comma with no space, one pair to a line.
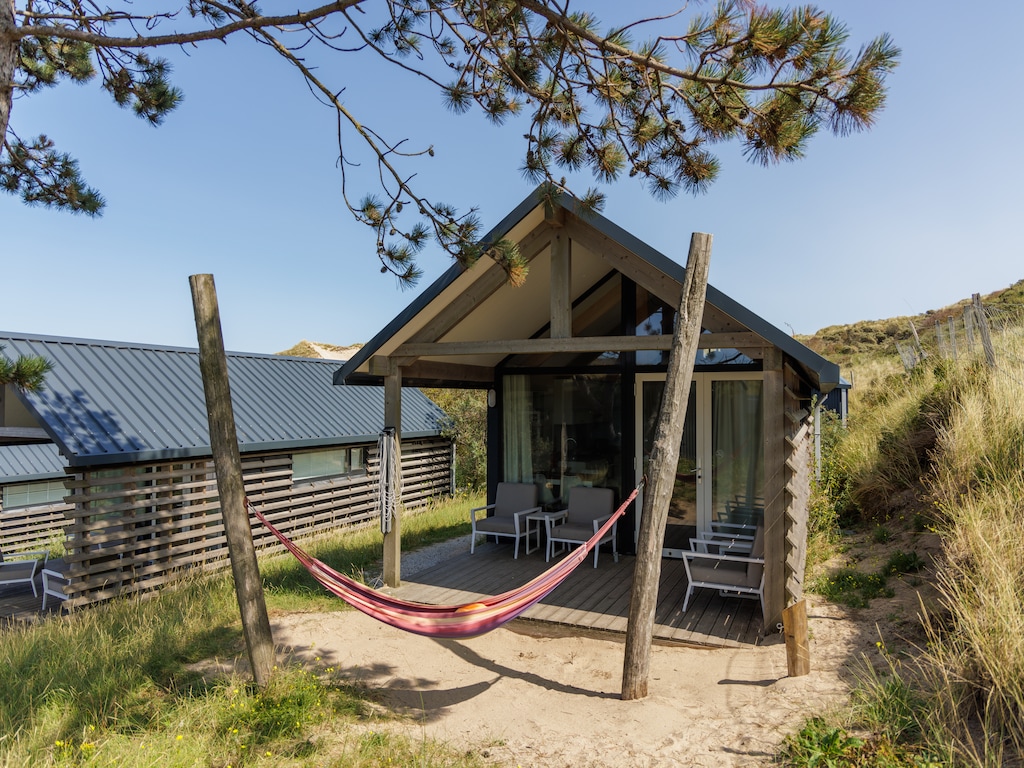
393,419
774,489
561,286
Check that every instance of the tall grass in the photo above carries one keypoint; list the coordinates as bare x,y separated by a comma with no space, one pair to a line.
129,683
951,435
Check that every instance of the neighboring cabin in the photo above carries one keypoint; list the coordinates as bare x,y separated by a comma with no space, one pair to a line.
121,464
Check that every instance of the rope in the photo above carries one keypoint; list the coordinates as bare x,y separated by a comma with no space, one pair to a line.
389,478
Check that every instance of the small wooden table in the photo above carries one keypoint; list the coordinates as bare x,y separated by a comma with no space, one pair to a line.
541,520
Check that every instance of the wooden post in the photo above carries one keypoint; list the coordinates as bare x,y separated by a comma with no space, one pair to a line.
952,335
228,466
774,436
798,654
561,284
393,418
969,328
664,461
917,341
986,339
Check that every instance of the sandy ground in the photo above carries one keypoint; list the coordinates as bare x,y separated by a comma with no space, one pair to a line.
522,697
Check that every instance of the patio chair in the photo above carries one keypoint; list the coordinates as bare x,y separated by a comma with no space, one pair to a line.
21,568
512,503
725,538
54,583
589,509
732,575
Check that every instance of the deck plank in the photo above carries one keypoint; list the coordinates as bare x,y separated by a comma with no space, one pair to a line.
590,598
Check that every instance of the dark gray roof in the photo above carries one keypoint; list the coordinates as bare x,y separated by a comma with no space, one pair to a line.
823,374
24,463
107,402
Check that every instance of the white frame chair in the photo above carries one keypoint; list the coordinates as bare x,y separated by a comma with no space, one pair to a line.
589,508
53,584
23,568
731,574
512,503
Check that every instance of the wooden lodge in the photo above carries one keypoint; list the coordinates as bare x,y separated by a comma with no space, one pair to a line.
121,466
574,363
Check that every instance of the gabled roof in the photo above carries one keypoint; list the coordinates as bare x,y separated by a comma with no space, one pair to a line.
106,402
478,304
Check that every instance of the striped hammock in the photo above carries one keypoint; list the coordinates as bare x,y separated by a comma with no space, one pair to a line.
467,620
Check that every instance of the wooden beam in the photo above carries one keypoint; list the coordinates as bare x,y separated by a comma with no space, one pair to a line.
774,433
393,419
574,344
227,463
561,287
436,371
664,461
493,278
23,434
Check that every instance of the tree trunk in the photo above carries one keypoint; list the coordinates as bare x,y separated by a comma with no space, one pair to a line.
8,63
663,463
228,466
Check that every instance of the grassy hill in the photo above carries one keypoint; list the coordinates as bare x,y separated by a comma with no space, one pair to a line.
849,344
938,449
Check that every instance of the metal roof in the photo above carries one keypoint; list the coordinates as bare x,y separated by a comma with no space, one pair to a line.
108,402
823,374
24,463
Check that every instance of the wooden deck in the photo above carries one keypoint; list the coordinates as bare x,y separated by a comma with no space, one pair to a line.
18,604
591,599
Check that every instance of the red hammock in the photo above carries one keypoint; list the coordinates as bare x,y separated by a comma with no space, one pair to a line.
466,620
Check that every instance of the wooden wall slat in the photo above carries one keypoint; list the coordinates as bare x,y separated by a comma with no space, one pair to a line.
142,527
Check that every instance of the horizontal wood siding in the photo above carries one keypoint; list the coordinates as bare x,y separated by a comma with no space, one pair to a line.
25,528
799,440
135,528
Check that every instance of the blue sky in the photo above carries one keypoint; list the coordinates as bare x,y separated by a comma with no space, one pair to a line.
241,182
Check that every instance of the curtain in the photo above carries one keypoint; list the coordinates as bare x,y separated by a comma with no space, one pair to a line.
518,408
738,451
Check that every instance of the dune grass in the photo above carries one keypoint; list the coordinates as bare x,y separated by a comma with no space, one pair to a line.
949,436
136,683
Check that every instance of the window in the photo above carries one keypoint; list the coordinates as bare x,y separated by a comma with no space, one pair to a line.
34,494
316,465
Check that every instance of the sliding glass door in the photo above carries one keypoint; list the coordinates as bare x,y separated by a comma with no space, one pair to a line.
720,471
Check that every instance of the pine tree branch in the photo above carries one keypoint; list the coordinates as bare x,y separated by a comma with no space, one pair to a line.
253,23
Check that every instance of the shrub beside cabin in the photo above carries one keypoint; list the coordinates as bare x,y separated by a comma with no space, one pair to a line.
574,363
122,467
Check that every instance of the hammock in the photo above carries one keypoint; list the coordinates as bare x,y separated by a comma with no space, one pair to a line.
467,620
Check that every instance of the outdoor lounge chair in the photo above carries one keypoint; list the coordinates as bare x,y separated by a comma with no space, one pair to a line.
21,568
732,575
512,503
589,508
54,582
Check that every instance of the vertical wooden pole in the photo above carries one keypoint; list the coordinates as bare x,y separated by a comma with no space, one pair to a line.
952,336
393,418
798,654
773,409
986,339
917,341
664,462
561,281
228,466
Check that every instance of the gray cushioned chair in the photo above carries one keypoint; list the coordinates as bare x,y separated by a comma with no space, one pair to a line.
731,575
589,509
512,503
